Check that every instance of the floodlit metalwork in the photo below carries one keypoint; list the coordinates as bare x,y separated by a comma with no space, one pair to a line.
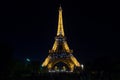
64,69
60,51
75,61
60,30
54,46
46,61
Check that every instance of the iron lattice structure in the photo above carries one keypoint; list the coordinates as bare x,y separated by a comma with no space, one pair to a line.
60,51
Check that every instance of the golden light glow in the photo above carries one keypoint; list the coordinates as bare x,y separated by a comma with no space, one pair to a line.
51,60
49,66
54,46
60,31
75,61
60,23
71,66
46,61
64,68
66,47
56,68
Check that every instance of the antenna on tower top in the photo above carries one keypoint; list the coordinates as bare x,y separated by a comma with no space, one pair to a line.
60,8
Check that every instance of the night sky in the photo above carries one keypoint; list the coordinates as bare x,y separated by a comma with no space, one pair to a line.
30,28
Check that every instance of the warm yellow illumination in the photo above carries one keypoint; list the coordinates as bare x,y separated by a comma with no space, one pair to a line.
64,68
60,46
49,66
75,61
56,68
60,30
71,67
66,47
54,46
46,61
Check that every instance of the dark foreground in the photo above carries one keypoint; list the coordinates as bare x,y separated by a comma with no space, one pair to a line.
66,76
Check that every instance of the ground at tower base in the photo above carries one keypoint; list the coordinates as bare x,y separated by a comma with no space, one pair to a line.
92,75
32,71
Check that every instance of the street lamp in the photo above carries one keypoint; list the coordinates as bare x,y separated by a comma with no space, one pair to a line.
82,66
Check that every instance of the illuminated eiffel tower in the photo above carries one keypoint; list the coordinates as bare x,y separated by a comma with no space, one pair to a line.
60,51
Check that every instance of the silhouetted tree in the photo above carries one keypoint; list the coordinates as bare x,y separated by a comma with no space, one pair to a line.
35,66
5,59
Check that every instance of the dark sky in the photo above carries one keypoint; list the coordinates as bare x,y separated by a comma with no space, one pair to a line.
30,27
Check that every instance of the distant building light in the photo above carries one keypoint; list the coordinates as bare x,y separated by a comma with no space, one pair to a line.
28,59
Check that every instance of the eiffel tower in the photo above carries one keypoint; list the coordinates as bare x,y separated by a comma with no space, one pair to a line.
60,51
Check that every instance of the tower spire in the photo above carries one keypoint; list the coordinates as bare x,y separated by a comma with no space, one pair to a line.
60,30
